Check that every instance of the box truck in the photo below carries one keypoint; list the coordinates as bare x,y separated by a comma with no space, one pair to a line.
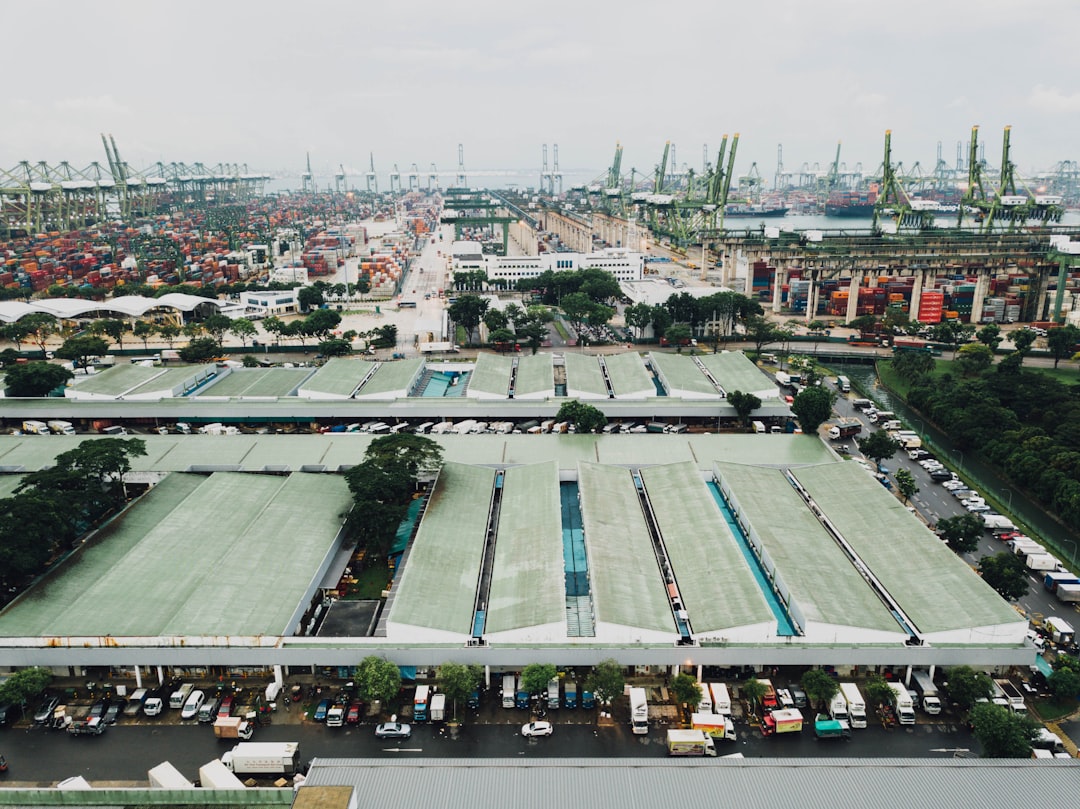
785,720
420,703
689,743
639,711
263,758
905,706
508,691
826,727
233,727
180,695
721,699
438,707
215,775
61,427
856,705
927,691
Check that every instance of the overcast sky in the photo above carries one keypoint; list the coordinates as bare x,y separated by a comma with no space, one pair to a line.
265,82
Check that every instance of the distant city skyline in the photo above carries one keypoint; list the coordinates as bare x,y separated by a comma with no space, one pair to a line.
267,83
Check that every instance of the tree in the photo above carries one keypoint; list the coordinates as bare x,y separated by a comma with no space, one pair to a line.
744,404
40,326
310,297
192,329
686,689
35,378
966,686
534,331
144,330
22,686
906,485
762,332
458,680
515,314
990,336
599,284
104,462
1006,573
414,453
973,359
606,681
80,349
877,690
1023,340
169,332
112,328
812,407
17,332
819,687
377,679
961,533
502,337
752,691
535,677
661,320
576,308
1062,341
807,367
467,311
249,361
243,328
495,319
1002,732
321,323
912,366
678,335
385,336
201,349
1065,683
585,417
638,317
878,446
335,348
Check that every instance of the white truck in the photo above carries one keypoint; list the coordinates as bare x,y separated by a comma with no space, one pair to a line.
263,758
905,706
856,705
927,691
721,699
35,428
215,775
838,707
705,704
166,776
438,707
690,743
1060,631
61,427
639,711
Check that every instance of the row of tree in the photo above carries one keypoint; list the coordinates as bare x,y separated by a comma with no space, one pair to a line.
512,324
51,508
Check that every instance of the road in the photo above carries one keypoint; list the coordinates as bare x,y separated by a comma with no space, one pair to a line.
124,753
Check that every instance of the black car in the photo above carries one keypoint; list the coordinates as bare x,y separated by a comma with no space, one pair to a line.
112,711
44,713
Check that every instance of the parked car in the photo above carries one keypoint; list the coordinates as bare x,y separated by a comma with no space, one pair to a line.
537,729
112,712
97,710
393,730
225,708
321,710
191,707
353,715
44,713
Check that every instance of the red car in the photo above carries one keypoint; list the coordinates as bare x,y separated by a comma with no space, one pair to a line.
352,717
225,709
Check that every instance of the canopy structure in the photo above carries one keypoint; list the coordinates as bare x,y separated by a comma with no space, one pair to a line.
126,305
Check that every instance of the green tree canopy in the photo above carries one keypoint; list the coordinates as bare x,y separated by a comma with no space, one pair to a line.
961,532
990,336
1062,341
535,677
678,335
377,679
819,686
762,332
201,349
585,417
973,359
243,328
878,446
1003,733
458,680
335,348
966,686
1006,573
744,404
35,378
144,330
686,689
813,407
877,690
606,681
906,485
24,685
913,365
80,349
467,312
752,691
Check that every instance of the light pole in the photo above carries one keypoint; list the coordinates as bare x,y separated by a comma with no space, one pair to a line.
1009,492
961,459
1072,556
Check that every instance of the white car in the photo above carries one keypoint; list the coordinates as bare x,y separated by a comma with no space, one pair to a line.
977,508
954,484
191,707
537,729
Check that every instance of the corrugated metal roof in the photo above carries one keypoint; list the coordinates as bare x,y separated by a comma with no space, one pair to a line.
599,783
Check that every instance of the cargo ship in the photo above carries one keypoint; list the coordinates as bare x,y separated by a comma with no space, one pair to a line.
754,209
851,204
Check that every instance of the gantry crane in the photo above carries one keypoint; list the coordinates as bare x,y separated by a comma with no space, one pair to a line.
371,177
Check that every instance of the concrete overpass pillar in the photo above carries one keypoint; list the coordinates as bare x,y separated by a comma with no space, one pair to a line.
278,678
138,676
916,294
853,294
487,675
982,282
160,676
907,676
699,672
779,279
812,298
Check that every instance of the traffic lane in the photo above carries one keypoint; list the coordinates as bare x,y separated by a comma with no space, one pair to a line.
126,753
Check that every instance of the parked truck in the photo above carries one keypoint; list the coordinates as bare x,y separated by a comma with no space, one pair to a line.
35,428
1060,631
1058,577
215,775
924,686
588,699
690,743
785,720
233,727
263,758
438,707
135,702
508,691
420,703
61,427
521,696
1013,695
715,725
570,694
838,707
846,428
639,711
856,705
553,694
705,703
768,698
721,699
1068,592
827,727
1042,562
180,695
904,704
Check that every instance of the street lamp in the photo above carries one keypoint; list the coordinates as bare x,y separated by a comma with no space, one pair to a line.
961,459
1009,492
1072,556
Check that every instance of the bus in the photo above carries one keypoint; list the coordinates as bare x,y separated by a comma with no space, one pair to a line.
406,305
843,384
